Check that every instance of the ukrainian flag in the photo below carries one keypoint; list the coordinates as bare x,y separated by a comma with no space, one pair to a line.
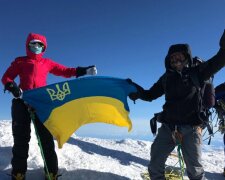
64,107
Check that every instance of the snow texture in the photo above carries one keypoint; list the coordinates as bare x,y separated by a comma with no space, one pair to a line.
98,159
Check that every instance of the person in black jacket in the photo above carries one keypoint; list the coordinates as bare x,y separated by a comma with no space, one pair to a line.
182,116
220,110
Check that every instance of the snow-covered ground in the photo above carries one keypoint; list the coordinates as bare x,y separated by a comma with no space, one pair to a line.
98,159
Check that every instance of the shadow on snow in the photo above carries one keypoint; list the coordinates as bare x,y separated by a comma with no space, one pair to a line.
124,157
79,174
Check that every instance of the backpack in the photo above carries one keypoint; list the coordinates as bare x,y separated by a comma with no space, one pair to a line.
206,98
207,89
206,95
220,106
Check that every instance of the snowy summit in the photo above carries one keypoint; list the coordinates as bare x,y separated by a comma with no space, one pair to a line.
97,159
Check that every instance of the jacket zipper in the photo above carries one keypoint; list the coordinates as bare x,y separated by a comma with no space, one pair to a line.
35,73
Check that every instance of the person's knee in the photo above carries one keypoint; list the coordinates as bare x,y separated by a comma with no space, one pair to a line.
49,148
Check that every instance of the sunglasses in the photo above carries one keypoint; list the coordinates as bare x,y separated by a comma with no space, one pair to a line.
174,62
36,44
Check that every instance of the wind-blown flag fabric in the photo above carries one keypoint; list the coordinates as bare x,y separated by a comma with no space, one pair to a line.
64,107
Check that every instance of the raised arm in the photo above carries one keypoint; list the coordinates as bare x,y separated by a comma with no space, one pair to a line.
214,64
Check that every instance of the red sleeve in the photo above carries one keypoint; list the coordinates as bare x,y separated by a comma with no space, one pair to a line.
11,72
61,70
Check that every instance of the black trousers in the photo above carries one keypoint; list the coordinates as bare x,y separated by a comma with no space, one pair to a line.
21,128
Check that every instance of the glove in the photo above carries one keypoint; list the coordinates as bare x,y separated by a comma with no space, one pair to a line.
135,95
13,88
222,41
90,70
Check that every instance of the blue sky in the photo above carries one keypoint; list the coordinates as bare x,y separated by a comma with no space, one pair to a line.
123,38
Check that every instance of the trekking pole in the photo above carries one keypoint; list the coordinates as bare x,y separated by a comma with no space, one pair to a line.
177,137
32,116
172,174
211,135
181,162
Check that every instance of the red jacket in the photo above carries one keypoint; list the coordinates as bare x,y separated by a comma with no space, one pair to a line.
33,68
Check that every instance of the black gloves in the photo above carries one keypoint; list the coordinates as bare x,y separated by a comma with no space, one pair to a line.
222,41
13,88
90,70
135,95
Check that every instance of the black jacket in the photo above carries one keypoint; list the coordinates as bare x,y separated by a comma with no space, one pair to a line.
181,96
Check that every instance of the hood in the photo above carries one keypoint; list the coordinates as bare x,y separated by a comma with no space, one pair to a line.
39,37
185,48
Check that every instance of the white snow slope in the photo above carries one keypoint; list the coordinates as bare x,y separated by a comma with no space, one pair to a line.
97,159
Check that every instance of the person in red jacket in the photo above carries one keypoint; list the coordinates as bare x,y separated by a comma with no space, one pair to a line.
32,71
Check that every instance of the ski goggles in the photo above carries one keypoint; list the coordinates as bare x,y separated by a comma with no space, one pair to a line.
36,44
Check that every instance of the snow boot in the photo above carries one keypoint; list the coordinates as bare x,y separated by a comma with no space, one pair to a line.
52,176
18,176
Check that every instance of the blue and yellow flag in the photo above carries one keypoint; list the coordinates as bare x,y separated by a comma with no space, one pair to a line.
64,107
